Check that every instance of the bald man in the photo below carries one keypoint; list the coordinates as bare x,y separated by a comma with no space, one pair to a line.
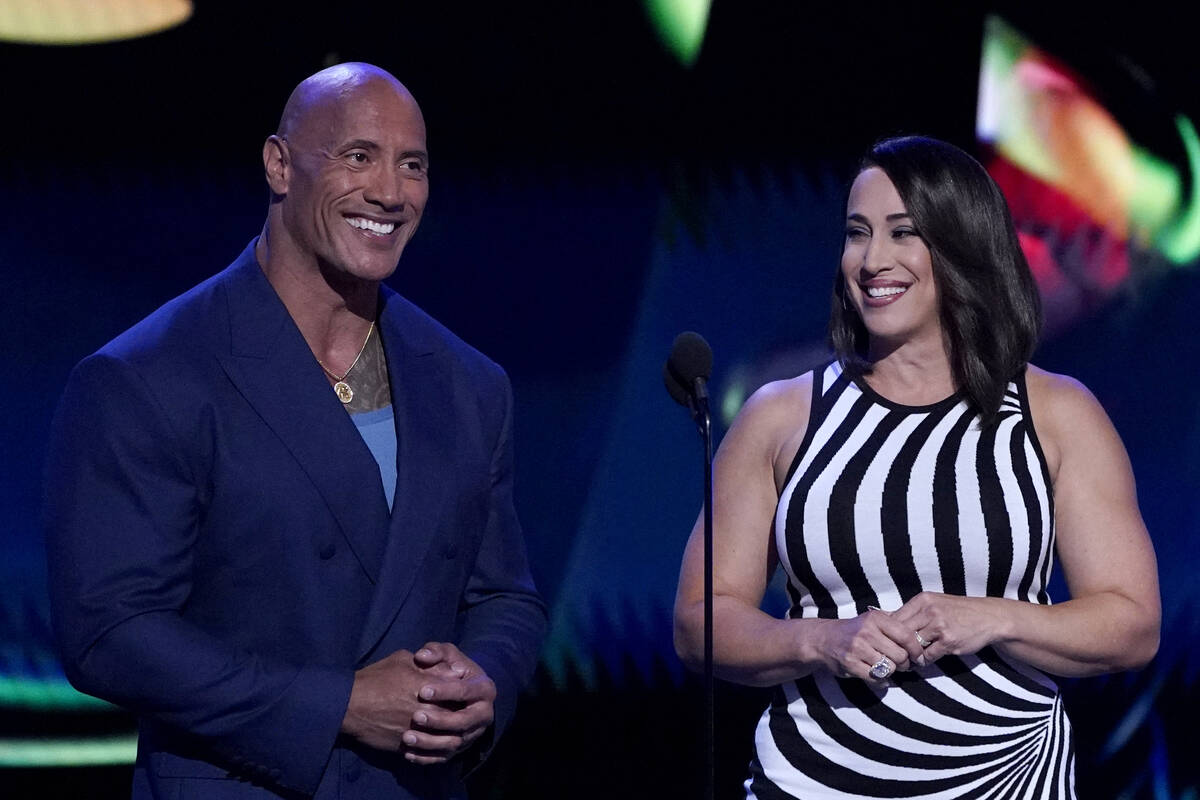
279,510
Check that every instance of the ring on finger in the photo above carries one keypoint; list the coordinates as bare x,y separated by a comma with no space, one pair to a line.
921,640
882,668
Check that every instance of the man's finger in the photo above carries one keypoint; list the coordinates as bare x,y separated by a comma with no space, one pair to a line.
425,760
430,745
473,718
434,653
458,691
445,655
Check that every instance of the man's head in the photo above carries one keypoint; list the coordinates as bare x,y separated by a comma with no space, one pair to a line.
348,171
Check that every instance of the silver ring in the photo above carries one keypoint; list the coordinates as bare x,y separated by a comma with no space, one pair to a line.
921,640
882,668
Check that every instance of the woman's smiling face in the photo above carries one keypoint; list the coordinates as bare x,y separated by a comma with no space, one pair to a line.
886,264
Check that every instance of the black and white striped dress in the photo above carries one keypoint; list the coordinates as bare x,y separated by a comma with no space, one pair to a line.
884,501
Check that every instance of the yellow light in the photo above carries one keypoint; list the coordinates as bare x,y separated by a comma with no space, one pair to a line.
65,22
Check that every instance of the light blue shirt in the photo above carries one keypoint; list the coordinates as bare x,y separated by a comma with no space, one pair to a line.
378,430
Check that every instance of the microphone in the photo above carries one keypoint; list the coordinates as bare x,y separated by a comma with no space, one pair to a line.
686,375
687,371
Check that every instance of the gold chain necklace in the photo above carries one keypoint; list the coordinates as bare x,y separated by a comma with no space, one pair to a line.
341,388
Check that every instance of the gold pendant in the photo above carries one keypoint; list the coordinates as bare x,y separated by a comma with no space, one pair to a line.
343,391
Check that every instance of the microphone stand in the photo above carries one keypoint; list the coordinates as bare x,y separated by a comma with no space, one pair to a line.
703,418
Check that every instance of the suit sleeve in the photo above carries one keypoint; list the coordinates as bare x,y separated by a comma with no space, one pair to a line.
122,514
502,618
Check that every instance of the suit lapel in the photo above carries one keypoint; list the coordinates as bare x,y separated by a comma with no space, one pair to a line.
421,394
273,368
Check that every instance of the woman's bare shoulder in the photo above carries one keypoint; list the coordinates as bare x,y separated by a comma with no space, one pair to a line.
1065,413
778,404
1062,398
773,420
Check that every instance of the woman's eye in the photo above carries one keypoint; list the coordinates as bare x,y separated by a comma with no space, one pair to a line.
855,233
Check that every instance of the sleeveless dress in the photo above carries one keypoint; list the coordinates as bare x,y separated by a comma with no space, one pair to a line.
882,502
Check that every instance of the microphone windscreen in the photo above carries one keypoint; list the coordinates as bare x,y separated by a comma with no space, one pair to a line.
690,358
677,390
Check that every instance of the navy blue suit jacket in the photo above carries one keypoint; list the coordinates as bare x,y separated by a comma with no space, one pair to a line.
221,553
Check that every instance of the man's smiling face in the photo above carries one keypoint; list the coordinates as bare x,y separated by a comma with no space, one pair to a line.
358,178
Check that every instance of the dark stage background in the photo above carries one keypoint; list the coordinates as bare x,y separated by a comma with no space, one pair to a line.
591,197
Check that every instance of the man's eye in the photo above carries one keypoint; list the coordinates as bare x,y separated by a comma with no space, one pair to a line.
414,166
358,158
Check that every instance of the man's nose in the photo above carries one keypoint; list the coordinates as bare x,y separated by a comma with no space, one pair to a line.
386,188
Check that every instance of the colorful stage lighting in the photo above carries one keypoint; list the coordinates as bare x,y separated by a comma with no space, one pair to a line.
1088,201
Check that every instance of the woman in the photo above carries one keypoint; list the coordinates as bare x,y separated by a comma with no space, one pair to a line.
915,491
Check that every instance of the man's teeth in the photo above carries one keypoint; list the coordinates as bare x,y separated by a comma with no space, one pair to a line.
371,225
885,291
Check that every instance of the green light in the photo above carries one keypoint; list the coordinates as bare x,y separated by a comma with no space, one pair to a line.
46,695
732,400
1181,242
68,752
681,25
1155,196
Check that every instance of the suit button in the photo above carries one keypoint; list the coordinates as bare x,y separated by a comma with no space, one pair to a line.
353,772
451,550
327,550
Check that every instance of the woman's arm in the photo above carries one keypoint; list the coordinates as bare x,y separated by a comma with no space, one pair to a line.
1111,622
750,646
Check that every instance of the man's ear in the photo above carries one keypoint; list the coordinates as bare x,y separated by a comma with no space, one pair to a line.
277,164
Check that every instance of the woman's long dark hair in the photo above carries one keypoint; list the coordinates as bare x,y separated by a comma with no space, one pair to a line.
990,309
